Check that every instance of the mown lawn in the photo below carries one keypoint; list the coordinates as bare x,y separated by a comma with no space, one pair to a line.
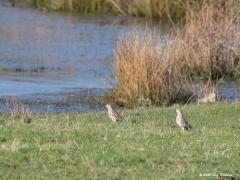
89,146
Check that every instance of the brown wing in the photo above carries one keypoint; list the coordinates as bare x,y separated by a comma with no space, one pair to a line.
119,116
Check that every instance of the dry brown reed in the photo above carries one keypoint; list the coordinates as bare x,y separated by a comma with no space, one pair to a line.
81,6
144,70
204,47
172,9
150,8
208,93
207,45
18,110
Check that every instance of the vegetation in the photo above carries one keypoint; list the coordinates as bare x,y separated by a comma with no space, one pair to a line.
163,9
157,70
91,146
174,10
145,72
146,8
208,44
205,44
81,6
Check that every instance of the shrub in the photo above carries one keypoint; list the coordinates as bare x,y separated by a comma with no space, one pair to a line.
208,41
144,70
207,46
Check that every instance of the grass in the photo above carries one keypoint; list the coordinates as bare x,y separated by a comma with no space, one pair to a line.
79,6
144,8
172,10
90,146
144,70
208,42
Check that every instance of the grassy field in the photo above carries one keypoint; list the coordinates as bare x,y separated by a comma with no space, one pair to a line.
88,145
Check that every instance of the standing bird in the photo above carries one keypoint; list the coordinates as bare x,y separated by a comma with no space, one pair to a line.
181,122
113,114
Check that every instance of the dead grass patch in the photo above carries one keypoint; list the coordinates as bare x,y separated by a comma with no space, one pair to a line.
150,72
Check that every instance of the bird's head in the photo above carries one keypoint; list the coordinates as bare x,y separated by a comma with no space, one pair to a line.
108,106
178,109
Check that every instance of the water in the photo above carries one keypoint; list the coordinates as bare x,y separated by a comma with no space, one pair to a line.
46,58
230,91
55,62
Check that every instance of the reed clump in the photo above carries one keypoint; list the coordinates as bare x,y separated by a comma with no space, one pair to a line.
209,43
173,10
144,70
144,8
18,110
80,6
150,8
206,46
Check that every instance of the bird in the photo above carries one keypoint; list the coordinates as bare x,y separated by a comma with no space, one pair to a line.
181,121
113,114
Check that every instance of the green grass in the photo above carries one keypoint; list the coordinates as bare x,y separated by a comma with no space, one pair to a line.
89,146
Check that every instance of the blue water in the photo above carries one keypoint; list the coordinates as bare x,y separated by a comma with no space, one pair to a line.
51,54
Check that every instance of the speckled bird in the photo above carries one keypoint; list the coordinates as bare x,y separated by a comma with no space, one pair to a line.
181,121
113,114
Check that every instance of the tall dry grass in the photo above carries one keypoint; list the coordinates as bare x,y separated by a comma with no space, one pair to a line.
172,9
150,8
209,42
18,110
144,70
81,6
206,46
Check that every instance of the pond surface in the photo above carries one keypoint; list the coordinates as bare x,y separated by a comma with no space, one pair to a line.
54,61
58,62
